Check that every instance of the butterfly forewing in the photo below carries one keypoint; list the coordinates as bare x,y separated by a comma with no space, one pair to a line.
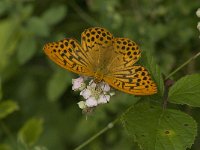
98,46
68,54
126,54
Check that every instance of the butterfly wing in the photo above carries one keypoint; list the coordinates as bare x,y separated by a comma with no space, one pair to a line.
133,80
98,46
126,53
123,75
68,54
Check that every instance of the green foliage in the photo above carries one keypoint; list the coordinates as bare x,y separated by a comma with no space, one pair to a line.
156,129
58,84
9,38
54,15
5,147
186,91
26,44
7,107
149,62
38,27
1,93
31,131
166,34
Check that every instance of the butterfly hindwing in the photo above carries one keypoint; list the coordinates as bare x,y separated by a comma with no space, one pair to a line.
133,80
68,54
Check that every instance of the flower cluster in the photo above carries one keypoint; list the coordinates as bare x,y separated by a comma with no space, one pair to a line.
93,93
198,15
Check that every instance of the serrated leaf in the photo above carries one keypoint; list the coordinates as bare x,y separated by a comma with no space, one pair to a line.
58,84
149,62
186,91
31,131
54,15
38,27
156,129
26,49
7,107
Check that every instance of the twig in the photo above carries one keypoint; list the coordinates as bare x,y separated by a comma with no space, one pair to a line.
183,65
109,126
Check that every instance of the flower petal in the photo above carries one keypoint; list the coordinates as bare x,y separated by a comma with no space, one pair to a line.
77,83
103,99
86,93
91,102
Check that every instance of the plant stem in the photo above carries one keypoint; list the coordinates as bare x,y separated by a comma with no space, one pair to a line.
183,65
83,14
109,126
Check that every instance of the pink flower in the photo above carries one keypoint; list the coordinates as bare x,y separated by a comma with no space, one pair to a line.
93,93
103,99
86,93
105,87
78,84
91,102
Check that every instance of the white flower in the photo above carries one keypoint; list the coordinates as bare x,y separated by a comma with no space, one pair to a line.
92,84
198,12
86,93
81,105
103,99
78,84
198,26
105,87
91,102
112,93
93,93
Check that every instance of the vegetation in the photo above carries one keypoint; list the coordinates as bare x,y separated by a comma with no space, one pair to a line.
38,109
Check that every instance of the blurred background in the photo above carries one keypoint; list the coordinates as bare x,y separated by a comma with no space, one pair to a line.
41,89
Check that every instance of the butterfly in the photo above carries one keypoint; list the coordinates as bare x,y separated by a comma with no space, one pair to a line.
105,58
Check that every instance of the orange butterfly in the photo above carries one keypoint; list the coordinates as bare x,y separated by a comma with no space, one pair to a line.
104,58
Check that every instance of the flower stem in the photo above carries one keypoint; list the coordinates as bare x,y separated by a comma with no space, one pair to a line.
183,65
109,126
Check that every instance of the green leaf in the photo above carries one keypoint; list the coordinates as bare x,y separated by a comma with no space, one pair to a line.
31,131
5,147
26,12
40,148
37,26
27,49
148,61
1,92
58,84
54,15
156,129
186,91
9,36
7,107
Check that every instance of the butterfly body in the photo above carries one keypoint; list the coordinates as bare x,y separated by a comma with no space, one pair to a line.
104,58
